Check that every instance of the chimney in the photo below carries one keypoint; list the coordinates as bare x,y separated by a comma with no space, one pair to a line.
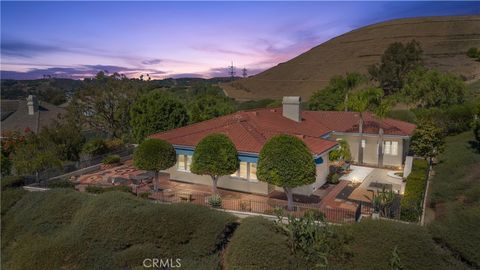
291,108
32,104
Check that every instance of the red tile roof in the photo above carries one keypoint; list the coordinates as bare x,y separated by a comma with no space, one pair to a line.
249,130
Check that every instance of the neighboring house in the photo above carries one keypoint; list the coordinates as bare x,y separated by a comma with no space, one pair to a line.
29,114
249,130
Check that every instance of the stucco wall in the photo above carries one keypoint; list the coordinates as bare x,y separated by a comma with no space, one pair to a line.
226,182
370,152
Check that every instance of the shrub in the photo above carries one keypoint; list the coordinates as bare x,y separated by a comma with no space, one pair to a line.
99,190
62,183
12,182
144,195
414,190
257,244
10,197
403,115
114,144
95,147
111,159
333,178
215,201
123,229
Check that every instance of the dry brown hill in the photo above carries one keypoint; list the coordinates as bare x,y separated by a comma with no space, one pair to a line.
445,41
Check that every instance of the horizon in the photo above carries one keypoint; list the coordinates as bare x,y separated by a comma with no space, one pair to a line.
182,39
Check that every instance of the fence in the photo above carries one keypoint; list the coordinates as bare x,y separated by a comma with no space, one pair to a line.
68,167
268,207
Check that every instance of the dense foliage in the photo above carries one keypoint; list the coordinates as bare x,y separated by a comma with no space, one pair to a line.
342,152
51,90
336,92
215,155
411,203
395,64
431,88
427,140
63,229
206,107
286,161
155,112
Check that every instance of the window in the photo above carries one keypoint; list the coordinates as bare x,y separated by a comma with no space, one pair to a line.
184,162
363,143
390,148
252,175
243,170
246,171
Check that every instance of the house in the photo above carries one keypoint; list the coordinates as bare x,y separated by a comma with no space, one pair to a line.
29,114
319,130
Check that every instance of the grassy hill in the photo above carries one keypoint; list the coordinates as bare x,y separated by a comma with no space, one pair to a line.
445,41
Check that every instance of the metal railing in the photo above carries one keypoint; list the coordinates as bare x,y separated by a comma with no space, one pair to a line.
267,207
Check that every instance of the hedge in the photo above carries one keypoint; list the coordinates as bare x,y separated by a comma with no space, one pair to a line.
257,244
411,204
60,229
12,182
111,159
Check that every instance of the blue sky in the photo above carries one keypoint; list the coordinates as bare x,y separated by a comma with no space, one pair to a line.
165,39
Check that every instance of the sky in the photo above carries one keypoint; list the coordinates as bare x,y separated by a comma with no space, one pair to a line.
181,39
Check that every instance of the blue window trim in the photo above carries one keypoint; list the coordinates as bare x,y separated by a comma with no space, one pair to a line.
246,157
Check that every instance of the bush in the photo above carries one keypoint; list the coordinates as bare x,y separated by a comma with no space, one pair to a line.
403,115
333,178
257,244
63,183
215,201
114,144
111,159
95,147
414,190
12,182
99,190
10,197
374,241
144,195
123,229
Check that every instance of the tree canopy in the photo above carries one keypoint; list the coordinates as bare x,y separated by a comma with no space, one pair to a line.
34,156
154,155
285,161
427,140
205,107
215,155
155,112
396,62
103,103
431,88
332,96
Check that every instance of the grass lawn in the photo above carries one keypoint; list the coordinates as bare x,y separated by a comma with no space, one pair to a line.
65,229
456,199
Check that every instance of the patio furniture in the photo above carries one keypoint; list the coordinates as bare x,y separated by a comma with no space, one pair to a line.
185,196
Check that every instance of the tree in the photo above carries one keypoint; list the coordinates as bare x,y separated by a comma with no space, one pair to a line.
66,137
360,102
154,155
431,88
34,156
104,102
381,112
285,161
155,112
341,152
396,62
206,107
332,96
215,155
427,140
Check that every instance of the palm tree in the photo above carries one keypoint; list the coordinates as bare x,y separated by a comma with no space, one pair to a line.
360,102
381,112
351,81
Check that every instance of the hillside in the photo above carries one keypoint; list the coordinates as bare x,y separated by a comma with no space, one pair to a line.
445,41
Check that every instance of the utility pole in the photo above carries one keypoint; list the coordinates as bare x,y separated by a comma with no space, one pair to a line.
244,72
231,71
